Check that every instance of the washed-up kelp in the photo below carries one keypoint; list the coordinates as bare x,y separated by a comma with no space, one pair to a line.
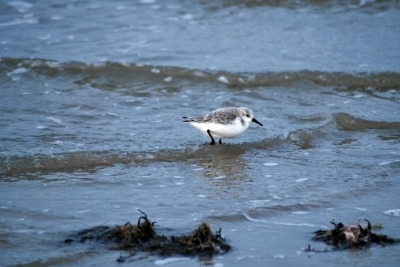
142,237
352,236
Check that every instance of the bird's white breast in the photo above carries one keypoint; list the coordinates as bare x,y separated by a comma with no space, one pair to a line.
223,130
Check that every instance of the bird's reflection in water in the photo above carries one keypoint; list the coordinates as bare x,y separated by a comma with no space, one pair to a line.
224,167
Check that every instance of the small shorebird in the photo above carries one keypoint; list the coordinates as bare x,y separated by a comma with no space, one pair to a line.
223,122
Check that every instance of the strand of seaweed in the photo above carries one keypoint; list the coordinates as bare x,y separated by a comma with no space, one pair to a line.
343,237
142,237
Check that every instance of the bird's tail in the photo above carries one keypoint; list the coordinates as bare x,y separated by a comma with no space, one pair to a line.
187,119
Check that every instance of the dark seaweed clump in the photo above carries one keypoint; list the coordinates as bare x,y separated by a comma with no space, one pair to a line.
143,238
352,236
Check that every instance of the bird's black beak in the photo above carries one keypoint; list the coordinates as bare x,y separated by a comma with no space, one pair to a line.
256,121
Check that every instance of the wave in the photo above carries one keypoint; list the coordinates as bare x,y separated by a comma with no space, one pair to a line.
87,161
126,73
338,6
351,123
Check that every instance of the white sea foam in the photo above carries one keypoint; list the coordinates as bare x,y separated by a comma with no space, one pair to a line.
83,211
259,202
55,17
46,37
284,223
113,114
270,164
361,209
52,64
169,260
18,71
20,21
188,16
22,7
147,1
55,120
299,212
279,256
198,73
392,212
223,79
58,142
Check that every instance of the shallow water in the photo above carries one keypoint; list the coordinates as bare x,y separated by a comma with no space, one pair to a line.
92,97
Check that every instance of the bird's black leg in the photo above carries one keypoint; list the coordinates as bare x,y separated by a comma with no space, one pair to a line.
220,142
212,139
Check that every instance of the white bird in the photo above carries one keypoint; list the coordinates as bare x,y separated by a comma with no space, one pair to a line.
223,122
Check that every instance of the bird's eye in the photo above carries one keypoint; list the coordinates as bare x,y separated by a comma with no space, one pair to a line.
248,116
